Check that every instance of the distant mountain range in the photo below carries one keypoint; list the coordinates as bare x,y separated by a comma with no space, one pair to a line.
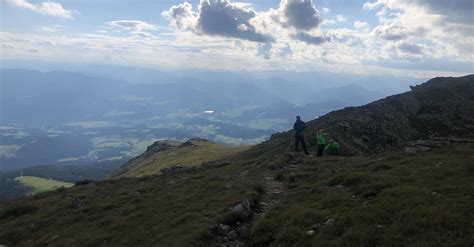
77,118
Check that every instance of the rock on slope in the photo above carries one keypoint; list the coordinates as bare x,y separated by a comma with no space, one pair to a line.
442,109
169,153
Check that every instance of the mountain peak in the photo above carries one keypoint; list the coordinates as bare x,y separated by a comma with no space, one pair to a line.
168,153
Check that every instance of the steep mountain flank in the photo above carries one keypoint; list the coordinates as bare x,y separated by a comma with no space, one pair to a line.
168,153
440,110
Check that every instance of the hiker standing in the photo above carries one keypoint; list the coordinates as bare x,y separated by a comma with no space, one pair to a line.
321,140
299,128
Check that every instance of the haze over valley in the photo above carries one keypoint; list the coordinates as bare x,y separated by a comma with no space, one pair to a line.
78,118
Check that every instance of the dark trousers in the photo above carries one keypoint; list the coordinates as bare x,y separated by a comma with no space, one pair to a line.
320,150
333,152
300,138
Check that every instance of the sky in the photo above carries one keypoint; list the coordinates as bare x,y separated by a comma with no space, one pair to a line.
423,38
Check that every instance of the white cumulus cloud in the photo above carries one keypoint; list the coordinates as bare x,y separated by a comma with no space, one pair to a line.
217,18
46,8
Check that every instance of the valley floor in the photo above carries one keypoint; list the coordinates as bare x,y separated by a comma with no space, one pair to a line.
388,199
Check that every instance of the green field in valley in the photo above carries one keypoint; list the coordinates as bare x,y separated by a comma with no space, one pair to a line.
42,184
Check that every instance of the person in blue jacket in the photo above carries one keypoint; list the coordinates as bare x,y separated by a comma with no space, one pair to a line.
299,128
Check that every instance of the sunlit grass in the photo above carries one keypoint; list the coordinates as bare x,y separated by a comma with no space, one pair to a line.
42,184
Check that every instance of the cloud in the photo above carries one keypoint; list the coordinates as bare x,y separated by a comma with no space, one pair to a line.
407,47
265,50
48,29
344,36
446,27
459,11
217,18
181,16
285,51
298,14
310,39
448,15
44,8
391,32
341,18
130,25
136,28
361,25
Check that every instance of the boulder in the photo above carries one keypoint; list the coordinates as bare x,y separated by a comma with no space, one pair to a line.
244,232
232,235
242,210
223,229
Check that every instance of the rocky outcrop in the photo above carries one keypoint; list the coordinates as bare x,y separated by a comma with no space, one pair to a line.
439,108
192,168
171,156
159,146
178,169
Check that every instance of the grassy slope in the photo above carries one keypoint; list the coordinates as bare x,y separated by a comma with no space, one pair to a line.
170,210
42,184
392,200
378,200
203,151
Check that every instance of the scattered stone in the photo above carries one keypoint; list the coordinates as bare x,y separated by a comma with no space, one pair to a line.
50,240
232,235
178,169
228,186
223,229
244,232
243,210
330,222
76,202
134,193
61,189
316,226
188,143
339,186
214,164
321,224
85,182
310,232
415,149
244,173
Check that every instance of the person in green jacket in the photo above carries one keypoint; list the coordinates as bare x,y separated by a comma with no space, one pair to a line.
321,141
332,148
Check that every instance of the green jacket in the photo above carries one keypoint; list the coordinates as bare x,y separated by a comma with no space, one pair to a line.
321,138
332,146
